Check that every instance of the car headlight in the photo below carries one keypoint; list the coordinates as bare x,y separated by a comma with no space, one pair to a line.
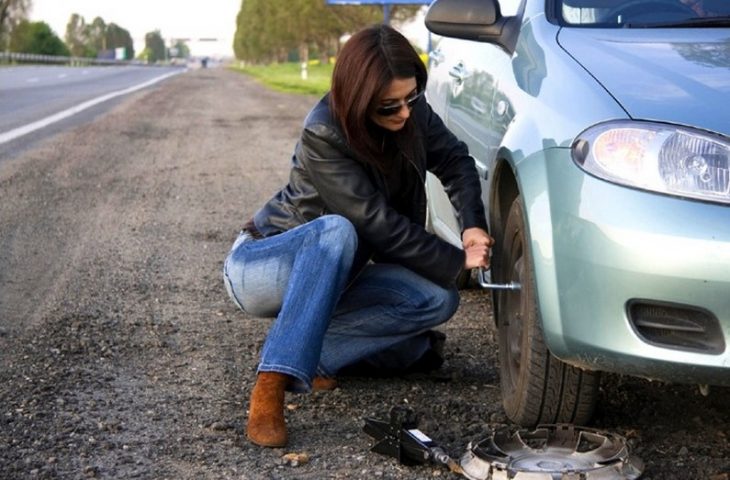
659,157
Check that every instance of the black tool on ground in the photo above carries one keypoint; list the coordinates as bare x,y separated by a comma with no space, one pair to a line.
549,452
400,438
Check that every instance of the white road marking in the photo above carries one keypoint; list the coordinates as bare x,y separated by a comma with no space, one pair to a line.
63,75
57,117
33,80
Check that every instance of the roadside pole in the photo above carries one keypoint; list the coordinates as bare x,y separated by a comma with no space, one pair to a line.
304,71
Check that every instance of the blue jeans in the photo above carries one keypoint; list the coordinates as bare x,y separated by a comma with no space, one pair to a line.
323,323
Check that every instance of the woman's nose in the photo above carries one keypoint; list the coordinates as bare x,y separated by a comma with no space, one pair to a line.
404,113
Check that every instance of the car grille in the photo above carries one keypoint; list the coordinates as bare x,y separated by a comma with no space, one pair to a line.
680,327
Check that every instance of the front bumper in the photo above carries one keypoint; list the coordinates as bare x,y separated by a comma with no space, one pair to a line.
598,247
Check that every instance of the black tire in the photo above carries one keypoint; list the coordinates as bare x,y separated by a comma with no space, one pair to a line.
536,386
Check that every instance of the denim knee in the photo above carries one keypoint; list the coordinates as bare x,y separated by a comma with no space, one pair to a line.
334,240
339,234
432,306
452,302
446,300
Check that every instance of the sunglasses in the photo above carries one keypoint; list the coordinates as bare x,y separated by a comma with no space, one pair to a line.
390,110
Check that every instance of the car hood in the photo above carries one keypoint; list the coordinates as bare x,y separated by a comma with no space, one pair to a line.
672,75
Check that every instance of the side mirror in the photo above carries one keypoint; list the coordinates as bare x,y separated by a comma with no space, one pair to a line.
478,20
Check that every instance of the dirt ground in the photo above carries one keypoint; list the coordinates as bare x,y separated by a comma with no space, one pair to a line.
121,356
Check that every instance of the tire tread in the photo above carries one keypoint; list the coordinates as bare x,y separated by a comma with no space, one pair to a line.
548,390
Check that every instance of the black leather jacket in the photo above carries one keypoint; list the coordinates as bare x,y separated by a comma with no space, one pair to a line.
327,179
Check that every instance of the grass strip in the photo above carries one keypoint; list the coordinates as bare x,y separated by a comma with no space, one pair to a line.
287,77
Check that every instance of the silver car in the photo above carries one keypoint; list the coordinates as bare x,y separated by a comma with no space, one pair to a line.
601,130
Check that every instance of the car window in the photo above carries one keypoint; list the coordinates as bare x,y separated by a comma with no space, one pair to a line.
645,13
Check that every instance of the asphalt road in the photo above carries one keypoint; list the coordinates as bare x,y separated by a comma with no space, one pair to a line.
122,357
31,94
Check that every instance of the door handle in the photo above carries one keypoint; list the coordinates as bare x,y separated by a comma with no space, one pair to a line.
457,72
436,56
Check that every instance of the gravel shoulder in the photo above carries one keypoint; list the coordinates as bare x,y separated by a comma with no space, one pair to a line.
121,356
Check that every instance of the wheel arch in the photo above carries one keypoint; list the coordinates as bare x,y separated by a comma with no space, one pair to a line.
502,192
516,175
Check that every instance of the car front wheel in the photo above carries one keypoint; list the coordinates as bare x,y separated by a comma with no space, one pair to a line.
536,386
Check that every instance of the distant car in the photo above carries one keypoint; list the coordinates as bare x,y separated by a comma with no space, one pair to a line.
601,130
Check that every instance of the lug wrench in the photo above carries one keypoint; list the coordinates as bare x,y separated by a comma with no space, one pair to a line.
484,278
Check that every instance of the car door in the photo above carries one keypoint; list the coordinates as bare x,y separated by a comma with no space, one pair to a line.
469,75
440,91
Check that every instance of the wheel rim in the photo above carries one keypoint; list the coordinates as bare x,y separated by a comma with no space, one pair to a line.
515,328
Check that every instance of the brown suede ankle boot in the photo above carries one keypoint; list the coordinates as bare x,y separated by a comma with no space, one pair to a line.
266,426
323,383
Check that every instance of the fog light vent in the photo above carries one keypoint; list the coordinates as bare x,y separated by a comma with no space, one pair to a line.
680,327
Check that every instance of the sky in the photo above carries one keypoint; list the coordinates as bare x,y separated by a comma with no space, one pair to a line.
173,18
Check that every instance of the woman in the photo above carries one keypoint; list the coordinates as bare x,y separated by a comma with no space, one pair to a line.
340,255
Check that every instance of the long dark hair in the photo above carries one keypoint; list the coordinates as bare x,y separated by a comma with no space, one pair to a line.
368,62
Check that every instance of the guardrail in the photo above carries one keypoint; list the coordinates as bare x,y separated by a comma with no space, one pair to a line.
10,57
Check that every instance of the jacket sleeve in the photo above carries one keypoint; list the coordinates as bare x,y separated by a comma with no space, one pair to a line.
448,158
346,189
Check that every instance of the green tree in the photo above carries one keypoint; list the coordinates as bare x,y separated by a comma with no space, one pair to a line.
118,37
12,12
97,38
154,47
180,49
77,37
267,30
262,34
96,35
36,37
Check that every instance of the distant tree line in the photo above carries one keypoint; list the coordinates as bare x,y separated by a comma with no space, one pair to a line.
36,37
82,39
275,30
17,34
97,39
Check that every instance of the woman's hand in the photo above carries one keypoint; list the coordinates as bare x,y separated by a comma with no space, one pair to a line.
477,245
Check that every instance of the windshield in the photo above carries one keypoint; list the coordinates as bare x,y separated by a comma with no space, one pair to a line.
645,13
